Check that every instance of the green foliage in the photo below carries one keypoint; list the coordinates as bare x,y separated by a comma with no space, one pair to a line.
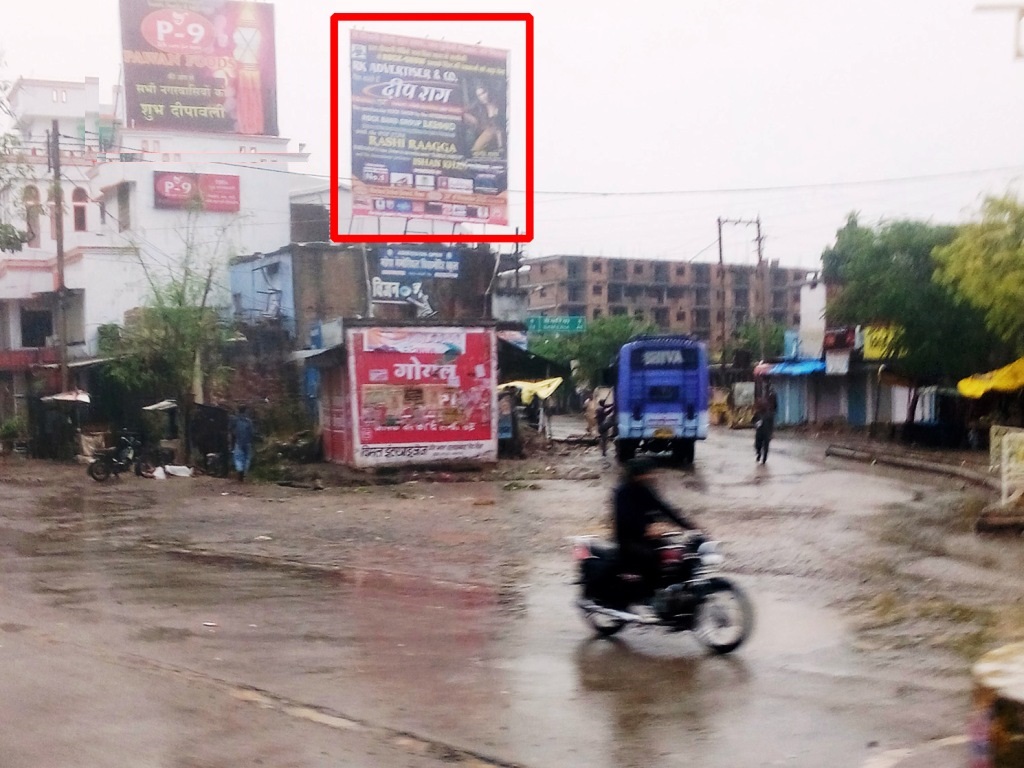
173,344
749,336
985,265
12,428
885,276
595,348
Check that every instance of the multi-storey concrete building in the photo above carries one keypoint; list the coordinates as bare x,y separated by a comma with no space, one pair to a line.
122,228
697,298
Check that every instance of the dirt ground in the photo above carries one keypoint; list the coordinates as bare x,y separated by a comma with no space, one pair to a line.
928,580
922,593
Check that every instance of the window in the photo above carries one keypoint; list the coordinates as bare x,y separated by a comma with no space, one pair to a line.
661,317
595,267
156,145
638,269
79,199
617,311
575,293
31,199
54,95
597,313
701,297
543,292
596,290
681,271
64,96
701,273
661,273
36,325
638,314
681,316
103,211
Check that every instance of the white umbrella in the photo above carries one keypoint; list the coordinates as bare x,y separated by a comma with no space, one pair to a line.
71,396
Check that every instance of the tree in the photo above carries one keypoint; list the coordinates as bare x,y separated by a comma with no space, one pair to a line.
172,345
885,277
13,169
984,264
593,349
750,336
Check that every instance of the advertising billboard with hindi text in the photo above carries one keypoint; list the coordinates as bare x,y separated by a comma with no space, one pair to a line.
212,192
422,394
429,129
199,65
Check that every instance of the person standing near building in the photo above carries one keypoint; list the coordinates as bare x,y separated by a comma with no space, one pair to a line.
242,432
765,408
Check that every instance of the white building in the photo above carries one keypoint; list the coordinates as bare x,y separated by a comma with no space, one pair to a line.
129,219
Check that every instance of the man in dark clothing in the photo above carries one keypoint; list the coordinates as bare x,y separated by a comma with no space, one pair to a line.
605,424
637,506
765,408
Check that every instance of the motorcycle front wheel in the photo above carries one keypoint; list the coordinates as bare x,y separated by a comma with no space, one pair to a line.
605,626
724,618
99,470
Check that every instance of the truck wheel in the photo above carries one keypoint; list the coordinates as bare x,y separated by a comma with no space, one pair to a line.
625,450
682,451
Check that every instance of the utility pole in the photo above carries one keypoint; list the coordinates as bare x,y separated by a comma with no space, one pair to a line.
761,309
58,214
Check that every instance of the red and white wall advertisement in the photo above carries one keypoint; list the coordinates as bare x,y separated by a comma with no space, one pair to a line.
422,394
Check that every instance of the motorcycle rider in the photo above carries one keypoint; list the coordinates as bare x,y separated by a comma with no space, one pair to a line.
637,507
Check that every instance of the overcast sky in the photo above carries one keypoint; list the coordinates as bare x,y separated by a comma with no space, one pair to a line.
647,111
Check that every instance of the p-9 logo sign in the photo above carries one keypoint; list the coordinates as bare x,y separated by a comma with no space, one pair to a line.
175,190
174,31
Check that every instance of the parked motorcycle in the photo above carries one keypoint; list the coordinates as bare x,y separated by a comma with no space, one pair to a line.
689,596
125,456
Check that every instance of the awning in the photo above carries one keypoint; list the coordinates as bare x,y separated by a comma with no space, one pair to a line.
163,405
1009,378
71,396
543,389
797,368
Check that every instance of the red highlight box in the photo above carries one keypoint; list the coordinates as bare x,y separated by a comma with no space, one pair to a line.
336,235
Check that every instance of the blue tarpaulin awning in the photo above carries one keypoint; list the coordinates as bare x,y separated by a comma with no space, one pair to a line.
798,368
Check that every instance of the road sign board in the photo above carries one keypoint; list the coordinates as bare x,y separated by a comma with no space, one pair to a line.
558,324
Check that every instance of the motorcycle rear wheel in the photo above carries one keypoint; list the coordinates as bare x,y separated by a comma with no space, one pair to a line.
99,470
724,619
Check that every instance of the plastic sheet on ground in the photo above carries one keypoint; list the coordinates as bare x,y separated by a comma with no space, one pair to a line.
174,470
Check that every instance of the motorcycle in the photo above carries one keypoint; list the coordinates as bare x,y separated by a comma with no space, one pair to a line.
125,456
688,597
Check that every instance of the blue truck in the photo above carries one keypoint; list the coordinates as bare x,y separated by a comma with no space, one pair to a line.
661,396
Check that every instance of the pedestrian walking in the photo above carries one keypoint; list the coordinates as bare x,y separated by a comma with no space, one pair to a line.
605,423
764,421
544,419
242,432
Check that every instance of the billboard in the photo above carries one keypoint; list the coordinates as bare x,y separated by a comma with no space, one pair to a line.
196,191
199,65
429,129
422,394
407,274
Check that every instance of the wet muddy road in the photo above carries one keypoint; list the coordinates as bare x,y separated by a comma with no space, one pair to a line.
196,623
